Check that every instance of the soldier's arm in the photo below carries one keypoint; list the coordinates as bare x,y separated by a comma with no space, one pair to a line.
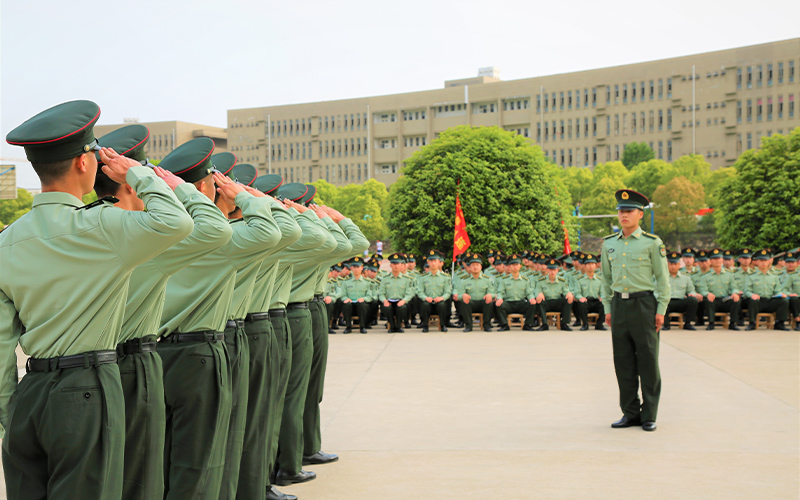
500,290
411,290
447,290
343,249
314,242
661,274
605,288
701,286
137,237
259,233
748,287
382,291
10,332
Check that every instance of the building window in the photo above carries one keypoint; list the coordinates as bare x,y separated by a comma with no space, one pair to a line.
652,90
585,98
660,120
769,108
791,71
569,99
577,99
760,76
562,101
738,111
791,105
594,126
594,98
608,95
511,105
669,119
385,117
608,125
780,107
660,150
538,103
769,75
749,110
669,151
780,73
478,109
749,77
749,141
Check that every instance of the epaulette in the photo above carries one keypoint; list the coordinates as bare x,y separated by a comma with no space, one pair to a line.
542,278
99,202
610,236
562,279
651,236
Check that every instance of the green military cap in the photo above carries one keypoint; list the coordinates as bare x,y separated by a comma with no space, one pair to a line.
410,258
566,259
128,141
716,253
58,133
293,191
552,264
490,253
190,161
688,252
514,258
244,173
763,255
746,252
589,258
356,261
435,255
702,256
674,257
628,199
224,162
727,255
500,259
791,257
396,258
267,183
312,191
345,263
376,257
336,267
472,258
371,265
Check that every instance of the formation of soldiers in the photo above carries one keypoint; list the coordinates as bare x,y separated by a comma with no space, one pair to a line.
176,327
530,284
706,282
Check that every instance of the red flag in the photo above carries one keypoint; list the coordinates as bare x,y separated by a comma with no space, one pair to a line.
461,241
567,249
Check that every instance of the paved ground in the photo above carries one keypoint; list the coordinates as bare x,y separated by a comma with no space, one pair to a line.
525,415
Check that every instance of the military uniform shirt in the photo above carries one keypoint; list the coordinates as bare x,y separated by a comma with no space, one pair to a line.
476,288
791,285
721,285
349,242
588,288
399,288
552,289
680,286
511,288
764,285
355,289
105,244
434,285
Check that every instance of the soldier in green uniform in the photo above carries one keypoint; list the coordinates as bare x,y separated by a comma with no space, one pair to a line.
553,294
719,289
703,267
765,293
394,293
331,293
728,261
141,370
683,295
63,424
634,264
791,285
371,268
587,294
356,293
414,304
740,275
515,295
434,290
475,292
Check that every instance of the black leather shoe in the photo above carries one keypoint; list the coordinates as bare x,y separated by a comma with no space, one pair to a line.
487,329
649,426
710,327
285,479
565,327
363,330
424,329
543,328
626,422
576,323
600,326
468,329
780,326
334,327
347,330
527,328
504,328
274,494
701,323
444,328
320,458
665,326
734,327
751,326
331,331
797,326
584,328
689,326
399,330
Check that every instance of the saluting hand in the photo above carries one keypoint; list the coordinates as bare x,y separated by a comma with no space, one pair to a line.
333,214
227,188
255,192
116,166
171,179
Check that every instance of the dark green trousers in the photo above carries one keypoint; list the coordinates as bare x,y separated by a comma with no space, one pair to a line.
442,310
362,310
280,362
197,390
515,307
728,306
290,441
777,305
560,305
239,359
475,306
65,435
143,389
312,432
253,473
636,342
686,305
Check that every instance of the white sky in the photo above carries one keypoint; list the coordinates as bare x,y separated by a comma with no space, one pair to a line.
159,60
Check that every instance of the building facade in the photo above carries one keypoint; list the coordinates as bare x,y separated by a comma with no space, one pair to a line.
166,136
715,104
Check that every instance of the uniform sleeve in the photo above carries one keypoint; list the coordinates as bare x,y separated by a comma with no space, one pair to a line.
492,290
661,275
313,242
605,288
382,291
447,289
748,287
10,332
259,233
420,288
357,239
343,250
211,231
368,297
701,286
578,290
411,290
500,290
137,237
530,290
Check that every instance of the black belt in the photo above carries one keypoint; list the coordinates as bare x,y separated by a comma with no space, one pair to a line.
318,298
87,359
251,317
633,295
234,323
206,336
277,313
297,305
136,346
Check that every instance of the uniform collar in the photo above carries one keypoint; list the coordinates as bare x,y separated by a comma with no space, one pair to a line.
56,198
636,234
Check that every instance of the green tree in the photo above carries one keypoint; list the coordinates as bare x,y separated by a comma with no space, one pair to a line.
326,193
715,182
363,203
760,205
578,181
693,167
507,193
601,201
11,210
676,204
647,176
612,169
636,153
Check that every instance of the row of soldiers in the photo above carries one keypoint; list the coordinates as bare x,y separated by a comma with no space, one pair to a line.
176,329
529,284
705,282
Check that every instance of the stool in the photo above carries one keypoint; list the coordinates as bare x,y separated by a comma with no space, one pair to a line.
434,320
515,319
554,319
768,320
672,320
725,319
593,318
477,317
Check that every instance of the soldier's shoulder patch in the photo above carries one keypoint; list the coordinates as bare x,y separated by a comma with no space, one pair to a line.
562,279
651,236
663,250
609,236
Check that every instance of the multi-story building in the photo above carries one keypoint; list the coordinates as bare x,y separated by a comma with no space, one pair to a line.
166,136
716,104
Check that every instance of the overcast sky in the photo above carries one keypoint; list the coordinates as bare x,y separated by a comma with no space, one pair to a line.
159,60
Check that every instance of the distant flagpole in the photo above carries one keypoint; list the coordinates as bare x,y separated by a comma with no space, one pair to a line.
567,249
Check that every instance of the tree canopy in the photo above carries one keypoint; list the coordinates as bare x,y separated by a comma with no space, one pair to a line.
507,189
635,153
11,210
364,203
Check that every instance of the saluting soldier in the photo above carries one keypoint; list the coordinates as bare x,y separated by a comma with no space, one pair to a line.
719,289
515,295
394,293
765,293
553,294
433,290
356,293
791,285
587,294
683,295
475,292
634,264
63,425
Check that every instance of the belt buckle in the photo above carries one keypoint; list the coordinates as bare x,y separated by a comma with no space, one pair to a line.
626,295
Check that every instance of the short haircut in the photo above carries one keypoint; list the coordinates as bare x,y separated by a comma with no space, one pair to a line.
52,171
103,185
